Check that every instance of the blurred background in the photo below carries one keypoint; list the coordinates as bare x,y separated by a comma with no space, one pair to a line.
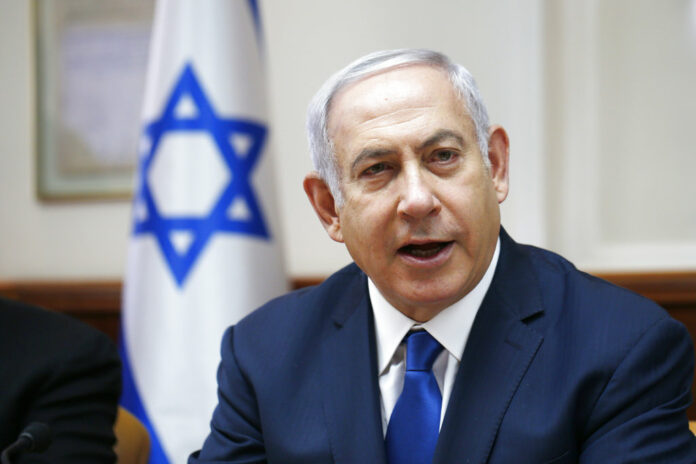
597,96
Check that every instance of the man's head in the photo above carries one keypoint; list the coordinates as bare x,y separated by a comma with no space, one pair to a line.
320,144
416,199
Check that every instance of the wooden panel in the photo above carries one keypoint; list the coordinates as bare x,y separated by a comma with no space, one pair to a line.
301,282
99,303
669,289
96,303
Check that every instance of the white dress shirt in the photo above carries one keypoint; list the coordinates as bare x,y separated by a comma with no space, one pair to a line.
450,328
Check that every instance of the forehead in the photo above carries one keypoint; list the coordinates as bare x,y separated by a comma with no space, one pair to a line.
393,97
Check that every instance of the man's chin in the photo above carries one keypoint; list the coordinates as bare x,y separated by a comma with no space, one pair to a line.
422,306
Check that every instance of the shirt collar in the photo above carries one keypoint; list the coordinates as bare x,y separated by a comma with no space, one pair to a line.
450,327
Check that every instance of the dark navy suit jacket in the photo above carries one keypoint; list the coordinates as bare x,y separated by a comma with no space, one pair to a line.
560,367
59,371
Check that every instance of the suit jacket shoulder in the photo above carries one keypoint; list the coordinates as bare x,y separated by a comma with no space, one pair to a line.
62,372
297,382
606,368
554,272
292,318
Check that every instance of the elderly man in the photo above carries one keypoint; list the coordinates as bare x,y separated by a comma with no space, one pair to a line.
445,341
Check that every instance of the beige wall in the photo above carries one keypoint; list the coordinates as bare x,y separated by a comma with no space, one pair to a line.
620,110
555,74
40,240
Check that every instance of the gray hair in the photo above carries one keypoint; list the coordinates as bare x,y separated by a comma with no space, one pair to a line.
320,144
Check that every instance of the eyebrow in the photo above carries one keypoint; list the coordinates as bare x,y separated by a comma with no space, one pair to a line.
369,153
441,136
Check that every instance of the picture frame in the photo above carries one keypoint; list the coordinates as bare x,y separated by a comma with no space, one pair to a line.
91,60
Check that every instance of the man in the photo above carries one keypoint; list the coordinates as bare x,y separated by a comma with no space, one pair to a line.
446,341
60,372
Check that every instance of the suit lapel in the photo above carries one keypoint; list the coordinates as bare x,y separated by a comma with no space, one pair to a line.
351,391
499,350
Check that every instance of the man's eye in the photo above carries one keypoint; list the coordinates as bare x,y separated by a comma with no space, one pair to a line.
375,169
444,155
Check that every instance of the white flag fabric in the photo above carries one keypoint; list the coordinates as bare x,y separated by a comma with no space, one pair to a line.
205,246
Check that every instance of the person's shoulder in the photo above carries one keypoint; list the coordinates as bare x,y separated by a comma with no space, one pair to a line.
49,333
63,373
596,297
289,321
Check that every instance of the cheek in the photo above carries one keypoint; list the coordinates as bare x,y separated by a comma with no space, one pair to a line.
365,226
472,207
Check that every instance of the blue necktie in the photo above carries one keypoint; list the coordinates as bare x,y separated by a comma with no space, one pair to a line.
415,422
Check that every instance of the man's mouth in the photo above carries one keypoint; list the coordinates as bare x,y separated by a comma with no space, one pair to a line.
424,250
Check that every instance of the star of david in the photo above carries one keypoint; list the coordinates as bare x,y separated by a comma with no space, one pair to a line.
234,210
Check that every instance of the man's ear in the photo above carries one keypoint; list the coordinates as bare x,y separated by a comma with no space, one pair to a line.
499,156
324,205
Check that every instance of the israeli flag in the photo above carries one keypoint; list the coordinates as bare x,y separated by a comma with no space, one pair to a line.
205,246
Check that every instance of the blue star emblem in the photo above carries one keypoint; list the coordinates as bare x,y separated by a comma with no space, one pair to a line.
234,210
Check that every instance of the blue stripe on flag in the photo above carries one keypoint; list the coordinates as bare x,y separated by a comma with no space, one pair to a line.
130,400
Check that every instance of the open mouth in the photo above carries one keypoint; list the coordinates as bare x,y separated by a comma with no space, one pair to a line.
424,250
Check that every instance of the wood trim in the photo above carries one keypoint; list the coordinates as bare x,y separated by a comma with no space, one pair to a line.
671,290
673,287
95,303
99,303
666,288
77,297
301,282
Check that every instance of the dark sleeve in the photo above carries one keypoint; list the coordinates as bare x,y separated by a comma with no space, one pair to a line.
641,414
78,400
235,435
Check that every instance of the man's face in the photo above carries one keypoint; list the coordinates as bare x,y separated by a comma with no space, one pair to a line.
420,213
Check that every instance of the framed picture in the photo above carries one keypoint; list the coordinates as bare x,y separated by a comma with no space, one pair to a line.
91,65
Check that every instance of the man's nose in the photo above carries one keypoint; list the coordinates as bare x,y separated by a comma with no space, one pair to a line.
417,199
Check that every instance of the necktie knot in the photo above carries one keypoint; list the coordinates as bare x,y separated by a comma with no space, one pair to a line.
421,351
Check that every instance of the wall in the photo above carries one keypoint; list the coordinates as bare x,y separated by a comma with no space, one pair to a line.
619,110
37,240
550,72
306,41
